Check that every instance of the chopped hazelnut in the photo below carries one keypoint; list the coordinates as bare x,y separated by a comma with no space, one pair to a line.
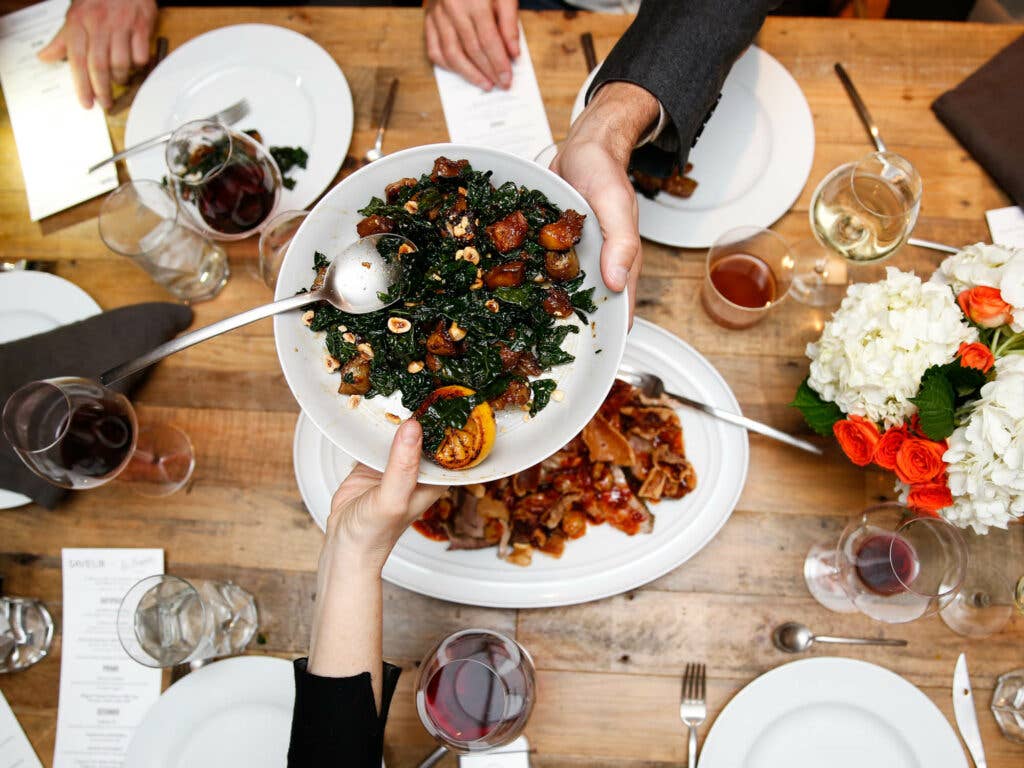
365,350
332,363
393,418
307,317
349,337
492,305
415,366
342,328
412,206
476,285
558,395
405,248
353,401
399,325
457,333
469,253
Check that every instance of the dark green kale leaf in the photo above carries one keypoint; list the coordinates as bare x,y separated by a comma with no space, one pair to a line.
549,348
443,413
542,389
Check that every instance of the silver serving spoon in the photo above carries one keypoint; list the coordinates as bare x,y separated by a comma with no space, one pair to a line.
792,637
353,282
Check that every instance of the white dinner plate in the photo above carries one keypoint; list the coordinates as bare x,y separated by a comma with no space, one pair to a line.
605,561
365,432
36,302
234,712
751,161
297,96
837,713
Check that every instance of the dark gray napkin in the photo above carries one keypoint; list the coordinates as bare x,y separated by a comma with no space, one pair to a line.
86,348
986,113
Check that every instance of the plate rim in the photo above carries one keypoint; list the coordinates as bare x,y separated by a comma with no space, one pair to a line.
781,75
616,303
815,668
408,575
344,95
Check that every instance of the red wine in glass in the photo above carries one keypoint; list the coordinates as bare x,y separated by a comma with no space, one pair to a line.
465,699
886,564
98,439
237,198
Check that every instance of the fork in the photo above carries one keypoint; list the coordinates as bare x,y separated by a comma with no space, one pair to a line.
652,386
228,116
374,153
693,706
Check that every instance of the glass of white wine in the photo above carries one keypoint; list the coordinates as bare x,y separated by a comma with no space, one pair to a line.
862,212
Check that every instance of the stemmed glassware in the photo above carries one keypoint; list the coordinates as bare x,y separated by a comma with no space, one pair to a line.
986,602
78,434
890,564
861,212
475,691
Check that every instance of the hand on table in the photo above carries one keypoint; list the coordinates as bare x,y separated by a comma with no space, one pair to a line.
477,39
593,159
103,40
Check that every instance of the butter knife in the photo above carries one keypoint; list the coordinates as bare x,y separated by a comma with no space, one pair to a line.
966,717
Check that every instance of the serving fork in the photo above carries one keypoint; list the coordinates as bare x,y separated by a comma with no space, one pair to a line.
652,386
228,116
693,707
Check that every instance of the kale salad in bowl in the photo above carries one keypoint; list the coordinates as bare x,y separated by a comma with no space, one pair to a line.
502,338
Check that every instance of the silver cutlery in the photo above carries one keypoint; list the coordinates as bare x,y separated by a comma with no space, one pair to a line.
228,116
374,152
693,707
966,717
861,107
653,386
932,245
359,269
792,637
589,55
433,758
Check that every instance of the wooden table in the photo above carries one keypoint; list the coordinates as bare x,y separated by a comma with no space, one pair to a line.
608,672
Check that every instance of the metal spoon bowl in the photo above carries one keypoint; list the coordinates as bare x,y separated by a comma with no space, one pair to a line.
792,637
354,282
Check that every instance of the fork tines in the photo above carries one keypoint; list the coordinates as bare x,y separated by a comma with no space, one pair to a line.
694,683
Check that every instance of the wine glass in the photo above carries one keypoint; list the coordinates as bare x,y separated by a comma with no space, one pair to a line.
475,691
985,603
78,434
861,212
224,180
890,563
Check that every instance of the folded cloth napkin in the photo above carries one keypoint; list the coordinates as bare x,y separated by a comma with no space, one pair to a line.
86,348
986,113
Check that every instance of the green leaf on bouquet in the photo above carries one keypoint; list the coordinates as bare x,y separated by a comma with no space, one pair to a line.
819,414
936,403
965,381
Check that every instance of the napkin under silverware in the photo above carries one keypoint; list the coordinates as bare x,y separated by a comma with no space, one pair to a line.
986,113
86,348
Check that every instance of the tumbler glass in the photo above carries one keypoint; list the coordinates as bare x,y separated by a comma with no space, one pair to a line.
140,220
165,620
26,633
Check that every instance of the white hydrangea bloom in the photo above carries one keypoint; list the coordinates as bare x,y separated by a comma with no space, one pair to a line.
996,266
884,336
986,455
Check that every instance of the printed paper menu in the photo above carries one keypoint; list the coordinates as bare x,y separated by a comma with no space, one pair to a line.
104,694
57,140
512,120
1006,226
15,749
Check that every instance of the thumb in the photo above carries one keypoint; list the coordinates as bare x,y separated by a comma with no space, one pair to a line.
616,211
402,471
56,50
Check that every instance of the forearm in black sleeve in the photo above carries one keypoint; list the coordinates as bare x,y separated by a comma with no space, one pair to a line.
681,51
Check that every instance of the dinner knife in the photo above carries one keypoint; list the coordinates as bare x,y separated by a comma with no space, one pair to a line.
966,717
861,107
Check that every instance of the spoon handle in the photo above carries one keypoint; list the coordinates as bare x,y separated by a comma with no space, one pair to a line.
858,640
202,334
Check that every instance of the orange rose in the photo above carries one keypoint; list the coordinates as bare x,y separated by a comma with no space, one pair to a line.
857,437
919,460
930,497
985,306
888,446
976,355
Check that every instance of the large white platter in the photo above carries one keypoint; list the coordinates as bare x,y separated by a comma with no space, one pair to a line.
36,302
365,432
751,161
838,713
602,563
235,712
297,96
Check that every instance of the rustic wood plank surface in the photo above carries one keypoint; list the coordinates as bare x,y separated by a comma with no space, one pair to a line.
608,671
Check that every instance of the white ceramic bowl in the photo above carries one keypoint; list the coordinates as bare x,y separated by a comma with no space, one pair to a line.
363,432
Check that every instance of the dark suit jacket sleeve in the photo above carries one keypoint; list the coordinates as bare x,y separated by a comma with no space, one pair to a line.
681,51
335,721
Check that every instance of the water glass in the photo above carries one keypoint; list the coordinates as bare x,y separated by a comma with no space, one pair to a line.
26,633
1008,705
890,564
748,271
165,620
475,691
140,220
274,241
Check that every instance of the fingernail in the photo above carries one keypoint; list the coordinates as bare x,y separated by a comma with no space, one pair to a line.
506,79
408,435
619,277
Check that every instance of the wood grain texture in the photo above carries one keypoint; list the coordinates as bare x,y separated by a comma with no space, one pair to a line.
607,671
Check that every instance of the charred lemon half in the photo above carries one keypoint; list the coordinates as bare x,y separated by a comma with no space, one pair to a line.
465,447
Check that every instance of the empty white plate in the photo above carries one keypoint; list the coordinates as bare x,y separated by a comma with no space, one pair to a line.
297,96
751,161
832,713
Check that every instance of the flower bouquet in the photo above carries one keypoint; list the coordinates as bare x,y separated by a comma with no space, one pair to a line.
926,380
